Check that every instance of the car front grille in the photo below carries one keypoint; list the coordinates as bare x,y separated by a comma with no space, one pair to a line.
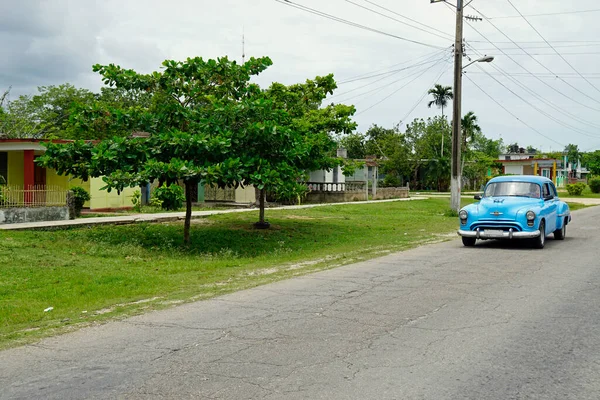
500,225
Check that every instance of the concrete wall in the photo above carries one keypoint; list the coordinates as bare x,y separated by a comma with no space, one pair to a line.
514,169
18,215
53,179
102,199
15,168
245,195
328,197
391,193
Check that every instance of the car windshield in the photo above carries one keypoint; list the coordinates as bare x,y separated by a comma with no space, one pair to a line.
518,189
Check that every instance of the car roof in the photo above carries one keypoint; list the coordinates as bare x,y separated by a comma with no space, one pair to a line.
521,178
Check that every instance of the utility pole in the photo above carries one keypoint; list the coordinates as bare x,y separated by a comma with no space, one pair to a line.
455,181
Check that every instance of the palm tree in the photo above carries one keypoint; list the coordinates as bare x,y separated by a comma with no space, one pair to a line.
469,128
441,96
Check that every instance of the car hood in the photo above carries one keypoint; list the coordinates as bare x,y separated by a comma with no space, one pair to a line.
504,207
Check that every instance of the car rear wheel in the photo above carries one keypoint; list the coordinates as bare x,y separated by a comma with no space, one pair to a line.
560,234
540,241
468,241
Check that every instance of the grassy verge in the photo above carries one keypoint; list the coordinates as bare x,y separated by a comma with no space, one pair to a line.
578,206
89,275
587,194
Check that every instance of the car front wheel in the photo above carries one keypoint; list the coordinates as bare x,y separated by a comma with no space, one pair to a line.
468,241
540,241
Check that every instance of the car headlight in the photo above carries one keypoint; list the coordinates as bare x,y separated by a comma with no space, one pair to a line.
530,215
463,214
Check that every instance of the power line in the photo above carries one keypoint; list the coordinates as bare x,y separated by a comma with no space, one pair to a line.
526,88
534,75
425,56
410,19
396,91
550,116
545,75
397,20
556,51
548,14
372,83
387,85
384,73
509,112
541,47
354,24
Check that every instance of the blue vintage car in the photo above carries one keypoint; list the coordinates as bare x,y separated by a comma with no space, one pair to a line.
515,207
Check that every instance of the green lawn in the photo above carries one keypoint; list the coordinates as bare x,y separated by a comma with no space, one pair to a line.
93,274
587,193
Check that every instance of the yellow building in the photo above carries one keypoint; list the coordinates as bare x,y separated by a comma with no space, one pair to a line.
17,166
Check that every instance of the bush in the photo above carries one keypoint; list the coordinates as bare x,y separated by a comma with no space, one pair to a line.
390,181
79,196
594,185
136,200
576,189
172,197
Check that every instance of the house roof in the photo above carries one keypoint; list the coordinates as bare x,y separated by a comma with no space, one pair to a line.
529,160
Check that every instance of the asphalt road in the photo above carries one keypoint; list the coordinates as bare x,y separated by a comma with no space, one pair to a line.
497,321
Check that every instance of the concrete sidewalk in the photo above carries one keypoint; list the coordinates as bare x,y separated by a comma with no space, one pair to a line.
167,217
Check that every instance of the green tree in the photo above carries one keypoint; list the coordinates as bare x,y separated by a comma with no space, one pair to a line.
190,133
470,127
573,155
441,96
592,162
354,143
287,134
46,114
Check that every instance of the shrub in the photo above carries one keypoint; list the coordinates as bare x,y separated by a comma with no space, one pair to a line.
390,181
576,189
172,197
79,196
594,185
136,200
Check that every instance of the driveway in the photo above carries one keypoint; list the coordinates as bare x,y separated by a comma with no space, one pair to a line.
497,321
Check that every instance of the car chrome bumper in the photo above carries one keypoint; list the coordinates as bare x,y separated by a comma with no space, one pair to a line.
482,234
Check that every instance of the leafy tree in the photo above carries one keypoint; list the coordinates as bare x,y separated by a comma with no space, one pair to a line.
441,96
470,127
513,148
532,150
354,143
190,134
45,114
592,162
287,135
422,138
573,154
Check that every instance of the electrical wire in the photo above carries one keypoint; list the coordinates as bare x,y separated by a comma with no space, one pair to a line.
534,75
354,24
536,60
548,14
511,113
548,102
395,91
445,37
556,51
387,85
424,56
369,84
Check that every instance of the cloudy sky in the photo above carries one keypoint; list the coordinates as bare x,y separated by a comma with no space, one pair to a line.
549,99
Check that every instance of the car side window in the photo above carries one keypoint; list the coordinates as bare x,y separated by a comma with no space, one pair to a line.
546,190
553,190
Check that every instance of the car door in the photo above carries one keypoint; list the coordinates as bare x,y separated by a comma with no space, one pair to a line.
550,207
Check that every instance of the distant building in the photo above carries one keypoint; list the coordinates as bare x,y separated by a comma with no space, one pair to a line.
528,164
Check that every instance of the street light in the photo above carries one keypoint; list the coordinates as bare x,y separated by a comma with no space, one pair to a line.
486,59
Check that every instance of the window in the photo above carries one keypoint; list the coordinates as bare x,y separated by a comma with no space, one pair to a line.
553,190
517,189
546,173
4,165
546,190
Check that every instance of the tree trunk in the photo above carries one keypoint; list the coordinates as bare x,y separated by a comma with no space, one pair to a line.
262,224
188,212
